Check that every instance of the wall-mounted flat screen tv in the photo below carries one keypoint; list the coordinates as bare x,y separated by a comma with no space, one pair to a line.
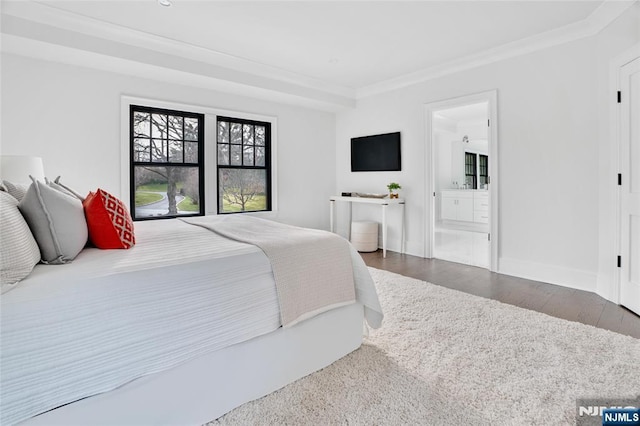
377,153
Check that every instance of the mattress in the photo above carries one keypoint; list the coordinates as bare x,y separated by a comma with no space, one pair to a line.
67,329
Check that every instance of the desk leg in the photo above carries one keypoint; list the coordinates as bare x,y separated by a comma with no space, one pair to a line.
384,230
402,239
332,204
350,219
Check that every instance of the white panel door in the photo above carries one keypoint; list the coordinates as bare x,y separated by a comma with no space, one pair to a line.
630,190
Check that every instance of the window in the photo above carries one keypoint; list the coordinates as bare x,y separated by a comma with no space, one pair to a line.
483,169
470,178
167,163
244,165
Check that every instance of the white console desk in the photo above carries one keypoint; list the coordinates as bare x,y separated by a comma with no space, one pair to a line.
384,202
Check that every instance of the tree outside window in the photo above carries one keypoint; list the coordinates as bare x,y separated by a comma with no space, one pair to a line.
167,165
244,165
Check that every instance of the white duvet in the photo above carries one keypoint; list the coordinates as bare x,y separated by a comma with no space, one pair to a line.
76,330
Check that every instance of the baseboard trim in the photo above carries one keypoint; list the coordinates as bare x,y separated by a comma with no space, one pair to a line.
558,275
414,248
410,248
607,289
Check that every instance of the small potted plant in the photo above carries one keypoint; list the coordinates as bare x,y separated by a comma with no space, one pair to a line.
393,188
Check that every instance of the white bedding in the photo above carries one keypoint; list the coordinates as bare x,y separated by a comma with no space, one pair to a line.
76,330
67,330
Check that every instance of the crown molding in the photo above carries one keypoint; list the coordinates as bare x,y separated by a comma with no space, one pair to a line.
600,18
46,14
228,73
26,47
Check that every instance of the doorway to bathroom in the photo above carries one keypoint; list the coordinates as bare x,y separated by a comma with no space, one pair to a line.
462,143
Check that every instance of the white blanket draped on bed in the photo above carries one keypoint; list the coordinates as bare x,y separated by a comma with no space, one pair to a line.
312,268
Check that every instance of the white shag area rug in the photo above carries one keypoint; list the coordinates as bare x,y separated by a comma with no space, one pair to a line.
444,357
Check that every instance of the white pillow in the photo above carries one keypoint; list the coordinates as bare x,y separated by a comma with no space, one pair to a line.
19,251
57,221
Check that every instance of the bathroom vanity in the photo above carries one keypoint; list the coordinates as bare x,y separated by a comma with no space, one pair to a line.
465,205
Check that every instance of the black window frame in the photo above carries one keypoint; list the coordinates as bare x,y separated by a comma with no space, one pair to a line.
267,160
483,168
470,169
133,163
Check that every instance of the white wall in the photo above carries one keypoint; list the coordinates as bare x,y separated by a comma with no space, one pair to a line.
442,145
549,152
70,116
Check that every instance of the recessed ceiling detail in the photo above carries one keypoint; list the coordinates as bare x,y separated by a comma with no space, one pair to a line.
325,51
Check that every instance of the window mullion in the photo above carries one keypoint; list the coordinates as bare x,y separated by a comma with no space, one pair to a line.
243,144
184,145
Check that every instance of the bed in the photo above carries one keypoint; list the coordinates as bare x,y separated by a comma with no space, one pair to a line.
179,329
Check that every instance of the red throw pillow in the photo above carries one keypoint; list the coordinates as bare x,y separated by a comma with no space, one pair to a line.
109,221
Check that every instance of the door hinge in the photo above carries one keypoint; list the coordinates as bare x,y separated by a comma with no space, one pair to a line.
619,261
488,123
619,97
434,194
489,237
619,179
488,179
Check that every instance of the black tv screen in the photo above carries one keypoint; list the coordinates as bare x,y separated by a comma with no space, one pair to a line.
377,153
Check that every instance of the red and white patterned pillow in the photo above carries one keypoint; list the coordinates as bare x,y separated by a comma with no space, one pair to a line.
109,222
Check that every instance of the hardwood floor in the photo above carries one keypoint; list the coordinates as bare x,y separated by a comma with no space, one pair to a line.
561,302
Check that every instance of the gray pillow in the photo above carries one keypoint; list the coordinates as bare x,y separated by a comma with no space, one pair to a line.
56,184
52,184
17,190
19,251
57,222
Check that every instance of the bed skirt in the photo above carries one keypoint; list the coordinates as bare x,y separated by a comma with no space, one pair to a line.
210,386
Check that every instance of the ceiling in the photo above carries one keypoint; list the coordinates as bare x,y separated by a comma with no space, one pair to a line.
350,44
330,48
465,113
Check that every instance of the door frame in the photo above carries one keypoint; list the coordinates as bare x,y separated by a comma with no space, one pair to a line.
615,72
491,97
